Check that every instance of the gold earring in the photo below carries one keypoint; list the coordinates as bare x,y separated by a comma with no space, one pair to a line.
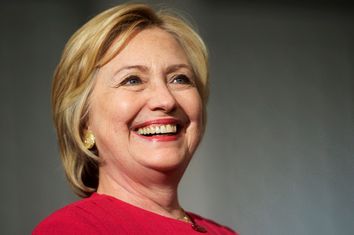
89,139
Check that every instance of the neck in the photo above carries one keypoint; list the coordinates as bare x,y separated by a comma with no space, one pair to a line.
155,192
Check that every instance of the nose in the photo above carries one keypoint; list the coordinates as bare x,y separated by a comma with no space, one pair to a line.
161,98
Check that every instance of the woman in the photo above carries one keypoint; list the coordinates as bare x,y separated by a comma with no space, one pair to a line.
129,100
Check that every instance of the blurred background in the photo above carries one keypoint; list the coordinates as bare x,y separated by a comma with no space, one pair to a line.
278,154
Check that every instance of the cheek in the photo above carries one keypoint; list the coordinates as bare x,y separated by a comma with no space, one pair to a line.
196,108
191,103
111,113
121,106
110,116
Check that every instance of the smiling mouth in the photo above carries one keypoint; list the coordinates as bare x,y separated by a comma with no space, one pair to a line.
158,130
166,129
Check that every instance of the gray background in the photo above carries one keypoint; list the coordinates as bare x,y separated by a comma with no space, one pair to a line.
277,157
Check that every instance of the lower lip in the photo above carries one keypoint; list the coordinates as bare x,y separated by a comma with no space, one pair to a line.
159,138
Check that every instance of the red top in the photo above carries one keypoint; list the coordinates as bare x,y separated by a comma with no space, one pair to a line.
102,214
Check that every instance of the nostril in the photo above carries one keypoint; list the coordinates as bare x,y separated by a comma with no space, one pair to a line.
163,100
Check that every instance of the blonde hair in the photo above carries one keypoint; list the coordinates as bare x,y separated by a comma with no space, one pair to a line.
85,52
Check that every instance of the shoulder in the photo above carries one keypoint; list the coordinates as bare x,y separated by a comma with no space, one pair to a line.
83,216
212,226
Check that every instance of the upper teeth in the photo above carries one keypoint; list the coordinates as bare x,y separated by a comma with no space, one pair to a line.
161,129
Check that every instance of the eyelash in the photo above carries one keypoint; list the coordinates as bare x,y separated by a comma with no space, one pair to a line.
127,81
134,80
186,79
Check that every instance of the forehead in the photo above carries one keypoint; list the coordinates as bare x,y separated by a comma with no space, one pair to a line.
150,46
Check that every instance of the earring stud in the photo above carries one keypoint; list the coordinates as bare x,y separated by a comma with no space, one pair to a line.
89,139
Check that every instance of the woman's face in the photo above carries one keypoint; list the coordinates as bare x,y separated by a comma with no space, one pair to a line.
145,109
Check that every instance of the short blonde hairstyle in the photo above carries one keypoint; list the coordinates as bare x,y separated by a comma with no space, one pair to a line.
85,52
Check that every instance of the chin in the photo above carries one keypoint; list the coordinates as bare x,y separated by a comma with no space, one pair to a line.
165,161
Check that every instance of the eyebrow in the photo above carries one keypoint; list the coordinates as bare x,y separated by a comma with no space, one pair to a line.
138,67
170,69
176,67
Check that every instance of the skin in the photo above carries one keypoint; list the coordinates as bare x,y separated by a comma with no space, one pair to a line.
151,79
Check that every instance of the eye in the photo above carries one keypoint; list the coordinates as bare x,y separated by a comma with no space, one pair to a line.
181,79
132,80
